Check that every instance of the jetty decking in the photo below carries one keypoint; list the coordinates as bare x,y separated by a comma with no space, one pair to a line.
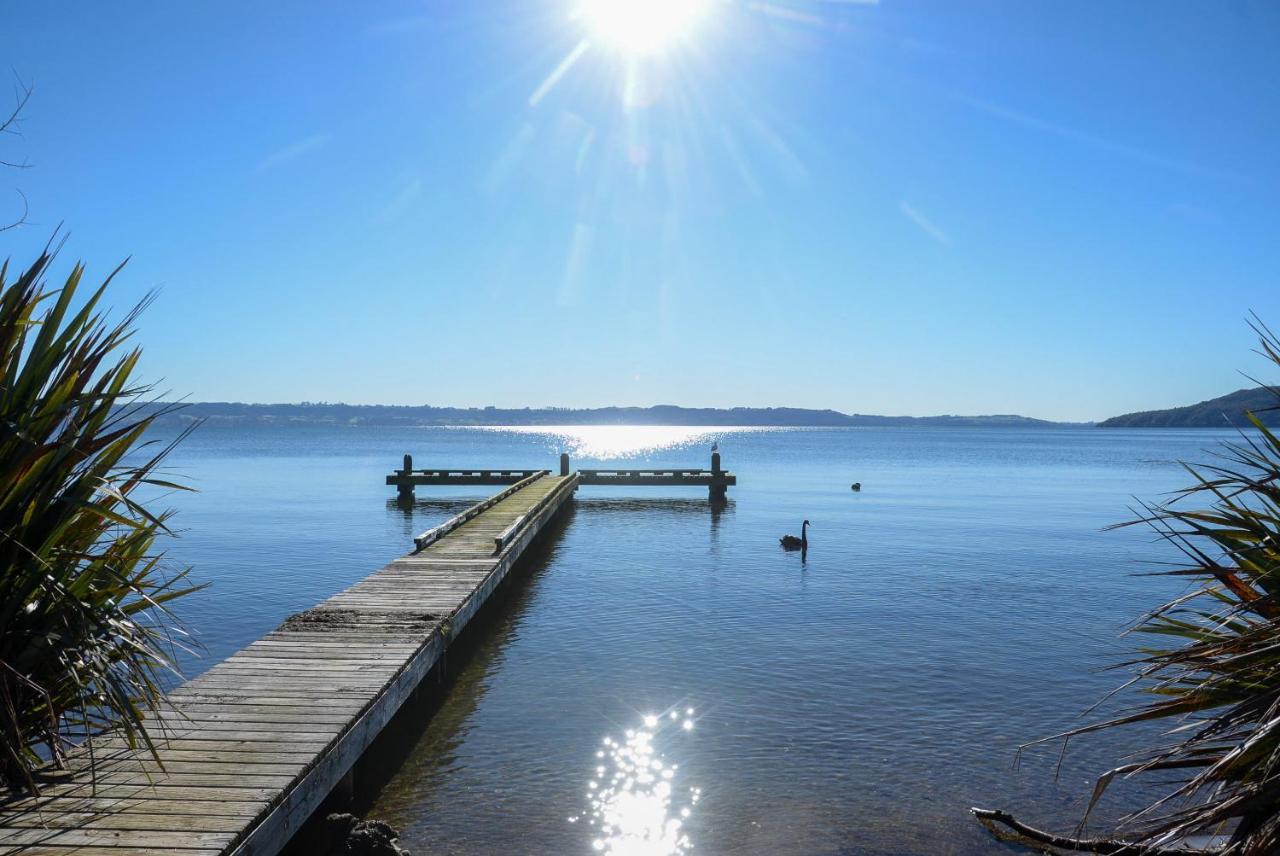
253,746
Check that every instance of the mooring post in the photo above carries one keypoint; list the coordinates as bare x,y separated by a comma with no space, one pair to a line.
717,491
404,488
564,463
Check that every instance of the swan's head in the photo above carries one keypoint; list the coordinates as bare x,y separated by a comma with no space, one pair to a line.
806,523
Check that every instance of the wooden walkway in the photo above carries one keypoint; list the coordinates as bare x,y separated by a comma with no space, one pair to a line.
254,745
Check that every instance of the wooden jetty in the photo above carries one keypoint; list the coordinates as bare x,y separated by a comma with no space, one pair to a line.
253,746
717,480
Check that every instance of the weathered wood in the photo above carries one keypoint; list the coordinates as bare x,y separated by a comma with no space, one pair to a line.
458,476
553,497
100,850
654,478
251,747
436,533
404,488
37,810
716,479
120,818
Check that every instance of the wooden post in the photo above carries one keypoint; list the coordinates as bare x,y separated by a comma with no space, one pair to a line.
717,491
564,463
404,490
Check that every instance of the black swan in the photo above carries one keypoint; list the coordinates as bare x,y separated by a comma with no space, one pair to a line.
791,542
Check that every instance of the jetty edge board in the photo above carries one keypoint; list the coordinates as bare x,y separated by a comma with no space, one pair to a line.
253,746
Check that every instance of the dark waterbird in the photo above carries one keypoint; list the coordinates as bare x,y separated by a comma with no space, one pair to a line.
791,542
857,486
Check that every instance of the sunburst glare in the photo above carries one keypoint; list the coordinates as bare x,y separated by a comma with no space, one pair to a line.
642,27
655,114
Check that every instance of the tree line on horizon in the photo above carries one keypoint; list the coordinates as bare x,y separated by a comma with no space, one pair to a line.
1231,410
215,413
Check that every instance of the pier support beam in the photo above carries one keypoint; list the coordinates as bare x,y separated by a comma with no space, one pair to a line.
564,463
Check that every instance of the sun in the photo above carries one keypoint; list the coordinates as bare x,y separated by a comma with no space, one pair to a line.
642,27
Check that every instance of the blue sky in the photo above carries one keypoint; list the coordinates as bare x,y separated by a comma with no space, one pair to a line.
1064,210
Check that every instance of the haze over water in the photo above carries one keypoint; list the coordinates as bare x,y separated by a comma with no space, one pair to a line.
855,702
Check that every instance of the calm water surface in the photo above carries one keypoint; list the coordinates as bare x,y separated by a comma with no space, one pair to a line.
664,669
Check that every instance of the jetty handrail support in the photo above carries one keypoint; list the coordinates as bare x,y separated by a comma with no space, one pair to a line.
437,532
501,541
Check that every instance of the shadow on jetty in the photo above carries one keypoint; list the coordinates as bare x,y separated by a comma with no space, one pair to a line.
483,637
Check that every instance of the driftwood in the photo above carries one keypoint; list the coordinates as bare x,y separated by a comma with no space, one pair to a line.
992,819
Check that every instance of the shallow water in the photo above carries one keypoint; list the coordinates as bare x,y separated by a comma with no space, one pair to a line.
856,701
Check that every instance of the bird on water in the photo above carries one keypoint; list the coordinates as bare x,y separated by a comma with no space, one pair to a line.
857,486
791,542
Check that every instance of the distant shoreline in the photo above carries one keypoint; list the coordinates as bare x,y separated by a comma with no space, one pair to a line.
1227,411
235,413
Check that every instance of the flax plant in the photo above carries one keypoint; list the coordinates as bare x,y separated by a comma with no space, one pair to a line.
1213,670
85,634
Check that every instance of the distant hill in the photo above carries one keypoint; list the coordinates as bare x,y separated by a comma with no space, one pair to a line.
233,413
1222,412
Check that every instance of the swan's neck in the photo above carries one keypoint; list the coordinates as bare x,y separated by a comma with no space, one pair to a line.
804,532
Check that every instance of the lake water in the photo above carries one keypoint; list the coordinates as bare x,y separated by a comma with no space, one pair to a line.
857,702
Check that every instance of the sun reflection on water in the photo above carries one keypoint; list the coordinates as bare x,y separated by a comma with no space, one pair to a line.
605,442
632,796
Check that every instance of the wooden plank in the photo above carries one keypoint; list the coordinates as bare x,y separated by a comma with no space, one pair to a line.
46,807
254,733
105,850
278,742
124,819
160,841
636,479
160,782
196,712
178,760
214,695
